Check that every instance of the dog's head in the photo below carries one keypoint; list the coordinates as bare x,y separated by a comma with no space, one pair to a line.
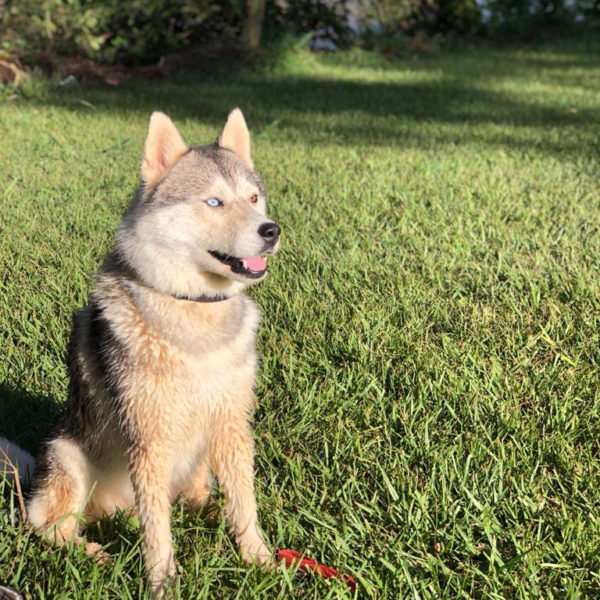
198,225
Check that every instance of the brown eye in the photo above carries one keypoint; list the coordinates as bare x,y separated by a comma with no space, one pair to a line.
254,198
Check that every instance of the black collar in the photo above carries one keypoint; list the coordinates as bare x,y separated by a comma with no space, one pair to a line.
202,298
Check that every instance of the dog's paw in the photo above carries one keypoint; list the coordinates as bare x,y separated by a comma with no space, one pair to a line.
171,569
255,551
95,551
160,583
7,593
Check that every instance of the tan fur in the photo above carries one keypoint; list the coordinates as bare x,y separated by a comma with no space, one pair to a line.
236,137
181,406
163,147
57,512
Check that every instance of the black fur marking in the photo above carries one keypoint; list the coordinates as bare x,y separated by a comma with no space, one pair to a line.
105,348
75,414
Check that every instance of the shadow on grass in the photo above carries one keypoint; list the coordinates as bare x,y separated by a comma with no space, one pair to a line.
318,110
444,101
26,418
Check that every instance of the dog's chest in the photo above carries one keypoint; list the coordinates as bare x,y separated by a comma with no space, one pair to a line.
183,362
208,355
217,378
204,385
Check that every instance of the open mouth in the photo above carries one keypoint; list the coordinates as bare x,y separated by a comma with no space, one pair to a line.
249,266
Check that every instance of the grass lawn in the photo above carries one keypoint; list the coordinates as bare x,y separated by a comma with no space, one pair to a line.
429,406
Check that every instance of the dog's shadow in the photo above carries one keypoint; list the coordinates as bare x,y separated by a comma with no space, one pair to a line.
26,417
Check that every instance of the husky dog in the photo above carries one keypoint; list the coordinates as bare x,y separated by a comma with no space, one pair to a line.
162,359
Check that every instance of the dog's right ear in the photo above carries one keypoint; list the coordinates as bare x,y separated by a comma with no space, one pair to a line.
164,145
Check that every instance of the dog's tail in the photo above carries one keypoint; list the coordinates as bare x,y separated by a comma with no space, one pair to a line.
14,459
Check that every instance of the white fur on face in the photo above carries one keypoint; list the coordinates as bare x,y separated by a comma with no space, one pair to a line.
169,246
232,228
167,235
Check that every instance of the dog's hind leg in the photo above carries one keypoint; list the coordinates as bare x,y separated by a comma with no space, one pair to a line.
60,492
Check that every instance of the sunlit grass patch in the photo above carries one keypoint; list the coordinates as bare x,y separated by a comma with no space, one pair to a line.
428,394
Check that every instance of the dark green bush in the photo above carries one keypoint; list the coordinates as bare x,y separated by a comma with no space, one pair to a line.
298,17
429,16
507,16
142,31
132,31
483,17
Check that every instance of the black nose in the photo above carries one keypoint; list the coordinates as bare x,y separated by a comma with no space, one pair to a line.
269,232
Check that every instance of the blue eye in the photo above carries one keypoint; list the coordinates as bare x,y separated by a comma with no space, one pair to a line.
214,202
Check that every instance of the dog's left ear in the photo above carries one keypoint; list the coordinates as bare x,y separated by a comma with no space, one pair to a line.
164,145
236,137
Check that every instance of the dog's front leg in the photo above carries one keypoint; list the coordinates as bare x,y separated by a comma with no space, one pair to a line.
151,484
232,458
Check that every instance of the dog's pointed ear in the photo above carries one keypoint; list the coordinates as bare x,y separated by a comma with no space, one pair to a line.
164,145
236,137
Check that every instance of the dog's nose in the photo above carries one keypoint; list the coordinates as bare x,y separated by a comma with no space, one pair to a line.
269,232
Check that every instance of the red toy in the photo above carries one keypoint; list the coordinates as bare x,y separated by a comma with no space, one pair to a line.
292,558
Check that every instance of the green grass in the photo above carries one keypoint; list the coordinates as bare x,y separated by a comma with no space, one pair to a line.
429,407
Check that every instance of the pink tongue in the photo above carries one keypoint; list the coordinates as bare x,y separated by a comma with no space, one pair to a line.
255,263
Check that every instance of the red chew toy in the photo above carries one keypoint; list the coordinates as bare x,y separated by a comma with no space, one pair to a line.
292,558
